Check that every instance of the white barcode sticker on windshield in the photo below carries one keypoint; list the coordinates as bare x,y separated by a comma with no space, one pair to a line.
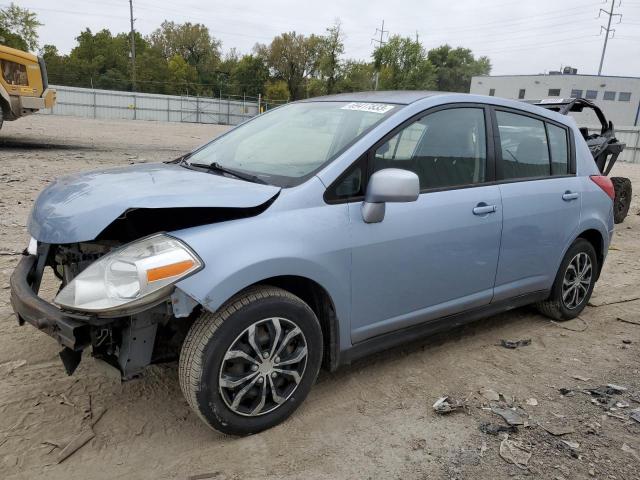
368,107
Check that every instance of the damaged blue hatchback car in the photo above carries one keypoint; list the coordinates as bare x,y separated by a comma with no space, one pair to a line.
313,235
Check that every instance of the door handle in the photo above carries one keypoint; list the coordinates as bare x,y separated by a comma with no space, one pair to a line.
483,209
568,196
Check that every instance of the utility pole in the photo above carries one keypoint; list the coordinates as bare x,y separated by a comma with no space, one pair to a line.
608,29
380,43
133,48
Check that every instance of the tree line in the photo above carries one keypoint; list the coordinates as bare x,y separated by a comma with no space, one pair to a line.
185,58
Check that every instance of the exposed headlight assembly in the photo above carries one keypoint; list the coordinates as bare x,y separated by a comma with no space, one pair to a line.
136,274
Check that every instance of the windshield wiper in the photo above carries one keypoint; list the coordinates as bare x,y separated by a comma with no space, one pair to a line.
216,167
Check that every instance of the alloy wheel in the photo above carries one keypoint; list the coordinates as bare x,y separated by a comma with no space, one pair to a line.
263,366
577,280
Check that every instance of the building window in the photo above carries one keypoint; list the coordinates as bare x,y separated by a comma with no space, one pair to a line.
492,92
576,93
554,92
608,95
624,97
521,93
591,94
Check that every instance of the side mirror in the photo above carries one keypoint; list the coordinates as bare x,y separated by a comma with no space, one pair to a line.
388,185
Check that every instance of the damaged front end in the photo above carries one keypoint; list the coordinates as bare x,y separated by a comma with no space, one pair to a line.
117,299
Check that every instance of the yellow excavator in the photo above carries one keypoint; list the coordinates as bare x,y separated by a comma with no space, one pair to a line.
24,88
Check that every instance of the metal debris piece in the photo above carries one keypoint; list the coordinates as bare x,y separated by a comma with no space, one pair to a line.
514,343
447,404
515,452
581,378
494,429
510,416
635,414
489,394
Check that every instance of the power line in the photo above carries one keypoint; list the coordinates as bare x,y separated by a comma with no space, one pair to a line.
380,43
608,29
133,48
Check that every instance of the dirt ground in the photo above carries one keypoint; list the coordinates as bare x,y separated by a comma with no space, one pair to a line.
371,420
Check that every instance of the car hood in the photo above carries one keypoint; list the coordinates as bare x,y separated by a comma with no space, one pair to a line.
76,208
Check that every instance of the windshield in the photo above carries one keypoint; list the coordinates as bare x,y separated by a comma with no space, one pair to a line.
287,145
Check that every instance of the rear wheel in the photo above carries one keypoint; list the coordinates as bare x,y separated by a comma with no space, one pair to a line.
248,366
1,117
622,201
574,282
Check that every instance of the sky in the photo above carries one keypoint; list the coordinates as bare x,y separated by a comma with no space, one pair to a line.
520,37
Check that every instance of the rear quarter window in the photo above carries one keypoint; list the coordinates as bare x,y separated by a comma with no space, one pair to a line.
559,148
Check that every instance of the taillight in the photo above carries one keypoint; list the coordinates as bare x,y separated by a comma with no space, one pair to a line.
605,184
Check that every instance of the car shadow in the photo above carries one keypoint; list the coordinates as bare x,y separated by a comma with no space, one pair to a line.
494,324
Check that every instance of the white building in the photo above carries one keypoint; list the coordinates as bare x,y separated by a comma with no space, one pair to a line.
618,97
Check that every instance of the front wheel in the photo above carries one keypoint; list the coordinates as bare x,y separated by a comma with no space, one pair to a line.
574,282
248,366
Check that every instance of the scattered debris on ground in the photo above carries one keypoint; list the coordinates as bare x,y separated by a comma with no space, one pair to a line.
515,452
489,394
512,344
566,392
495,429
556,428
510,415
448,404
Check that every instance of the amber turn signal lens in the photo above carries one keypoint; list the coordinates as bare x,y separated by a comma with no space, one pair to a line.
168,271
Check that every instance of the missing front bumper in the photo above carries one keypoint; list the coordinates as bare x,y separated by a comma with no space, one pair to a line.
125,343
70,330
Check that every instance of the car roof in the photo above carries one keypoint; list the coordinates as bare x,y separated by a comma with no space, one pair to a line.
407,97
402,97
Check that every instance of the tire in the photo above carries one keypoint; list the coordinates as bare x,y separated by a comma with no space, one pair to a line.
207,369
1,117
622,201
557,308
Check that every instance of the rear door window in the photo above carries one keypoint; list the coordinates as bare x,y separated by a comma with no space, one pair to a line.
523,143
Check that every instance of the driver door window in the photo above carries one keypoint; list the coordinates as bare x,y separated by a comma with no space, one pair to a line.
446,148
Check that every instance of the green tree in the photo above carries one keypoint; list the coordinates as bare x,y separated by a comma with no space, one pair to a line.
182,74
356,76
19,27
277,90
403,65
455,67
331,49
293,58
249,76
